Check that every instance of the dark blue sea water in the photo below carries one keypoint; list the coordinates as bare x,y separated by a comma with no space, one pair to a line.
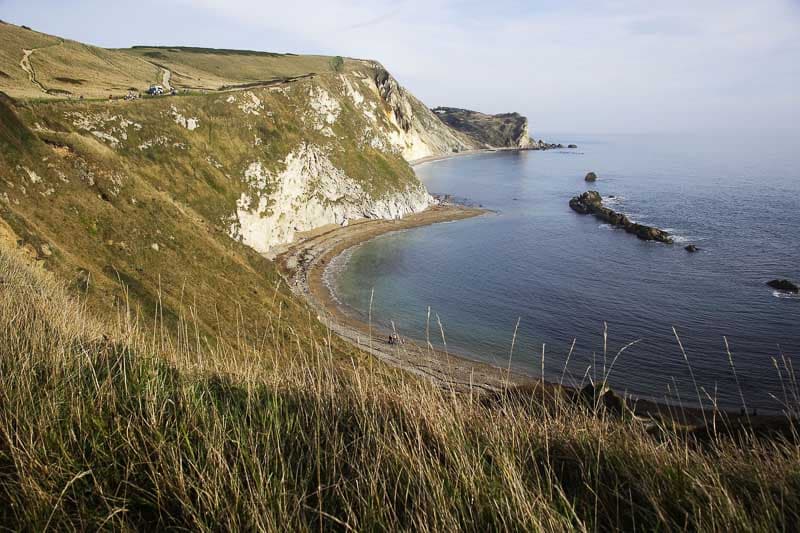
565,276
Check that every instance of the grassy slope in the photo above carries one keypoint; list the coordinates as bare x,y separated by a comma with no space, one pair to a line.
100,208
102,426
67,67
212,69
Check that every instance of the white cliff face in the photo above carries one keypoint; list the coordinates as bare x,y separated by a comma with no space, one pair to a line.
416,131
310,192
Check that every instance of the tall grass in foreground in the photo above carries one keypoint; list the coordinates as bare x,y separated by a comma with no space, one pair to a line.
102,426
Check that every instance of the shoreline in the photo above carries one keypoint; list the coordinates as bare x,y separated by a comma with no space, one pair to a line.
452,155
442,157
304,263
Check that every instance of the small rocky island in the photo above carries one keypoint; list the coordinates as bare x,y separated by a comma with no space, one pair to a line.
591,203
784,285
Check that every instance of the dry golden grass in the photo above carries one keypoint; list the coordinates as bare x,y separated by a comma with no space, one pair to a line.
212,69
13,40
108,424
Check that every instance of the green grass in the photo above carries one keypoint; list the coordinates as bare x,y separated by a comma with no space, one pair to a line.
104,425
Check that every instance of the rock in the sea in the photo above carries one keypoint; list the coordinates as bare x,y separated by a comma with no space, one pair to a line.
572,146
591,176
591,202
691,248
784,285
587,202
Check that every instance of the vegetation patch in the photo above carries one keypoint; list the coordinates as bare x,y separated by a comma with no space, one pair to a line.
215,51
156,55
70,81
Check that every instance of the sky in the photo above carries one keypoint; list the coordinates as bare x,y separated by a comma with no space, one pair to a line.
587,67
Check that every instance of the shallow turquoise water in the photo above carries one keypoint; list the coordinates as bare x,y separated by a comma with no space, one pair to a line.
566,276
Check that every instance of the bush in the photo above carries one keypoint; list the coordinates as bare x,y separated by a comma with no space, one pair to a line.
337,63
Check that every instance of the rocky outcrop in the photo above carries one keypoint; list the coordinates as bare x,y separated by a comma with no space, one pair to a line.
506,130
591,176
395,97
784,285
418,133
591,202
691,248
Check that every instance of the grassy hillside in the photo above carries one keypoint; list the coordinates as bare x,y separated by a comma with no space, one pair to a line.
123,194
105,426
202,68
62,68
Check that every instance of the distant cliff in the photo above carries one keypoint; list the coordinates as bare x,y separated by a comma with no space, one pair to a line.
507,130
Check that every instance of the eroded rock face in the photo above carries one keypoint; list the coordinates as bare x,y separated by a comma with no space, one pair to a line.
591,203
395,96
418,133
784,285
310,192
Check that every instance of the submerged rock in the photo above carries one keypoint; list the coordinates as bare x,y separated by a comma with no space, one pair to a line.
591,202
591,176
572,146
784,285
691,248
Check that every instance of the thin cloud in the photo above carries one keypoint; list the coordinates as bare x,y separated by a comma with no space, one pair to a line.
376,20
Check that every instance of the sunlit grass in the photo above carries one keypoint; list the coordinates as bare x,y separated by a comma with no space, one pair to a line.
105,425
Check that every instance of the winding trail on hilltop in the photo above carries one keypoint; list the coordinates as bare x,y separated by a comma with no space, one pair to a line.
25,64
166,76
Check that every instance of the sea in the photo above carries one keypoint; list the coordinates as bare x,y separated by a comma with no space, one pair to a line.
534,285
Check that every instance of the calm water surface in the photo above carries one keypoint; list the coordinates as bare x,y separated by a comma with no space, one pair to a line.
564,275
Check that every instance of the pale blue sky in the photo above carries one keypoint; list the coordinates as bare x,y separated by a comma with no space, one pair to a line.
588,66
